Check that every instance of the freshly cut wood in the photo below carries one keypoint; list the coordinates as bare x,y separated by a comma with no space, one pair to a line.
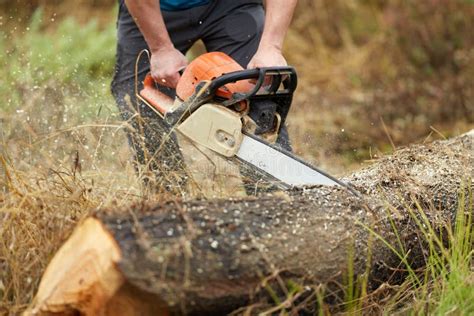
83,276
212,257
83,273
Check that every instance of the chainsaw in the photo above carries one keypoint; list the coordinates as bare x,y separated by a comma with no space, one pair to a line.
237,113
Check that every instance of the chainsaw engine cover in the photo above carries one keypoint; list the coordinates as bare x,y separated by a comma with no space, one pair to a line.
207,67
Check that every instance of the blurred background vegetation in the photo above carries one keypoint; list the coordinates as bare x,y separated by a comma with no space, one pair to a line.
374,75
405,64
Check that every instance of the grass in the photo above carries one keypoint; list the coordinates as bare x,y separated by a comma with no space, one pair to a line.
62,147
63,152
65,59
448,285
444,285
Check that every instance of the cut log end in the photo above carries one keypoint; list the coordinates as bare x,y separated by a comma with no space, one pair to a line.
83,278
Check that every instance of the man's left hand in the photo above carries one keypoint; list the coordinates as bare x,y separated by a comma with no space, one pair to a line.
267,57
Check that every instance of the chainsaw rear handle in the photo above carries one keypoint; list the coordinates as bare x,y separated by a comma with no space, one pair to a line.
150,94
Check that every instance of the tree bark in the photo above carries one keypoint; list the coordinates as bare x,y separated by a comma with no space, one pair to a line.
212,257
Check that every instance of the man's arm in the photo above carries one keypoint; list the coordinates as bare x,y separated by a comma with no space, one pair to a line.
166,60
278,15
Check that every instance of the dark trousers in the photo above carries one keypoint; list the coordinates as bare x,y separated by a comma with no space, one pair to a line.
230,26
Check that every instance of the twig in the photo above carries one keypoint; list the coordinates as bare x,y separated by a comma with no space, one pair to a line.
388,134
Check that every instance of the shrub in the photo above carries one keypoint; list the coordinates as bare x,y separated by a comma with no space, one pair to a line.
73,58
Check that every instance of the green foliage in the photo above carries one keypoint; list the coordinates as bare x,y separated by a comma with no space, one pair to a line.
444,286
72,52
73,57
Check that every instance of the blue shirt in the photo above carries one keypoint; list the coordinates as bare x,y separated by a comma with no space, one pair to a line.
176,5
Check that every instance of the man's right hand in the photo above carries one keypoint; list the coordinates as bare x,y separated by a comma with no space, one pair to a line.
165,65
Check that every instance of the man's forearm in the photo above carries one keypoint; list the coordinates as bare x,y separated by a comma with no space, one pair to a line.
278,15
147,15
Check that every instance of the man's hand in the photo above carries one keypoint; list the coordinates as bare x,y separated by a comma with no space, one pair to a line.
166,61
267,57
165,65
278,14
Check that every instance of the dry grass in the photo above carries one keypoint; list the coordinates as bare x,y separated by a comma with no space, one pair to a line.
48,183
63,154
38,211
52,181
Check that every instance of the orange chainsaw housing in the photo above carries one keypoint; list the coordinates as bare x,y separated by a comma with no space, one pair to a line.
157,99
206,67
210,66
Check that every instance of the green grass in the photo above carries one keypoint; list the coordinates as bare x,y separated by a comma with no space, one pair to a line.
450,267
445,286
71,60
55,92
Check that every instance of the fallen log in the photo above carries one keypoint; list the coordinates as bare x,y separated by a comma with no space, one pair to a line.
212,257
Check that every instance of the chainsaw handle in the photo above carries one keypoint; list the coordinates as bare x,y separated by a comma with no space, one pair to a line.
154,97
290,82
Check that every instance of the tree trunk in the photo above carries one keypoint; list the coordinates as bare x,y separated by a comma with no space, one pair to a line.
212,257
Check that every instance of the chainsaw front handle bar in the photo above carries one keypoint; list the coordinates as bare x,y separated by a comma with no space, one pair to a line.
206,90
287,75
